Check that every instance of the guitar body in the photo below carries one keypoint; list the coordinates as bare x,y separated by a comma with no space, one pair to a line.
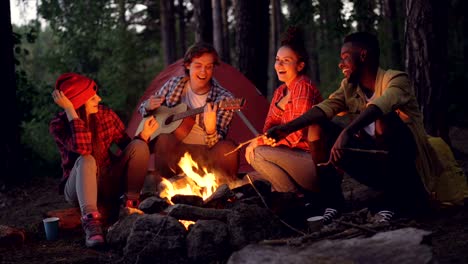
164,116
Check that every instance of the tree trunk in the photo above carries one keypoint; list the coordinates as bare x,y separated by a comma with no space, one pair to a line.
10,146
226,56
168,31
181,15
218,27
252,41
276,29
392,27
203,21
426,60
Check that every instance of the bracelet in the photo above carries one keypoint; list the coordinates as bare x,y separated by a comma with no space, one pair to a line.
140,138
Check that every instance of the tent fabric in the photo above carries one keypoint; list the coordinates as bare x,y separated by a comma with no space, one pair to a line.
255,109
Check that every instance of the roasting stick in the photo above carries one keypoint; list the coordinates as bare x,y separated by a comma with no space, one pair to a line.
371,151
242,144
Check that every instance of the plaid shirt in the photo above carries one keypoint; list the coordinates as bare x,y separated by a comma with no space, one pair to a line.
303,95
73,139
172,91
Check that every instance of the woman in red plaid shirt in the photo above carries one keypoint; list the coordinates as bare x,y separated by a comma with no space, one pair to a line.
288,164
84,133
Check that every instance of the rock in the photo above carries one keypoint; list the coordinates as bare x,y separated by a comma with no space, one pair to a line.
251,223
263,187
11,237
397,246
208,241
118,233
193,213
156,239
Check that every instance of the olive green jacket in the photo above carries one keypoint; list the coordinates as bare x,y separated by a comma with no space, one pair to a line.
393,92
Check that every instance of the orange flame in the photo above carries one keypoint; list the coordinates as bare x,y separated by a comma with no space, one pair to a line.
196,184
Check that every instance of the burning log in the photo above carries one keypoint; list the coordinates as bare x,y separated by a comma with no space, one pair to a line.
219,198
194,200
193,213
153,205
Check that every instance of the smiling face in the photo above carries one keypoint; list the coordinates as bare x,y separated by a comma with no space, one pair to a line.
351,62
286,65
91,106
200,72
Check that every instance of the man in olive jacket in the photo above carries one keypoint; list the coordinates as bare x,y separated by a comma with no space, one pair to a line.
383,146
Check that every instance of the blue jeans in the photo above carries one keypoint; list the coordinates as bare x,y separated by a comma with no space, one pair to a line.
288,170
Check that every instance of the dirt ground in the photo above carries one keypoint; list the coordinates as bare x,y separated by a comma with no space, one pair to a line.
24,207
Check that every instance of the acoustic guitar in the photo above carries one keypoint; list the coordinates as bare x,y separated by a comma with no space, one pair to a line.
175,119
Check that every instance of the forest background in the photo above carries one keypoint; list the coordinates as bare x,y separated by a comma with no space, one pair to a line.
124,44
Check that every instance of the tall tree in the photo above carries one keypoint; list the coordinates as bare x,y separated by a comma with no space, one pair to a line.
302,13
331,29
391,30
203,21
252,39
218,41
426,60
11,144
168,31
226,50
181,23
277,21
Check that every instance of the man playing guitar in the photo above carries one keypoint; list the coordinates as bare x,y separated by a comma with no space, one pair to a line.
203,137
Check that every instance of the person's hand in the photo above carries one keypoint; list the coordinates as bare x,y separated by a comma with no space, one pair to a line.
149,127
209,118
61,100
153,102
268,141
337,150
277,133
250,148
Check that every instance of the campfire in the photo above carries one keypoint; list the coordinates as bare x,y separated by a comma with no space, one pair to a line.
197,218
193,183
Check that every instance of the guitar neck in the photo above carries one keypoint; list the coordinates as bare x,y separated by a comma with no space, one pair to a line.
188,113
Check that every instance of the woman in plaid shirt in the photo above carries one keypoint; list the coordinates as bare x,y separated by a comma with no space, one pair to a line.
206,140
84,133
288,164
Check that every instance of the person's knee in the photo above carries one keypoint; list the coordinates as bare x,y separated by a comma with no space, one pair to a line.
86,160
139,146
225,145
257,156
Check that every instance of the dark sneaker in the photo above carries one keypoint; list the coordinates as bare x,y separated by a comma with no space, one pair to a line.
383,217
93,229
329,215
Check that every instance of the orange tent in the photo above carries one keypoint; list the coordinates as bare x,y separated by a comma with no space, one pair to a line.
245,124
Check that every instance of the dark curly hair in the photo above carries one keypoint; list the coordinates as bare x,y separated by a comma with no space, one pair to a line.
197,50
293,38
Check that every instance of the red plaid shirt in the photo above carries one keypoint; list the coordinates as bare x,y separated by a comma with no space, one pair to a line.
73,139
303,95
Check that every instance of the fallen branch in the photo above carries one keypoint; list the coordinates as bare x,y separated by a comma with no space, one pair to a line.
369,230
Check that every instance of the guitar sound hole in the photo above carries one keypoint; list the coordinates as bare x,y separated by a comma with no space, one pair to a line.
169,120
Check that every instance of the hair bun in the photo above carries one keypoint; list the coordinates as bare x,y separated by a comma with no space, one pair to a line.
293,37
